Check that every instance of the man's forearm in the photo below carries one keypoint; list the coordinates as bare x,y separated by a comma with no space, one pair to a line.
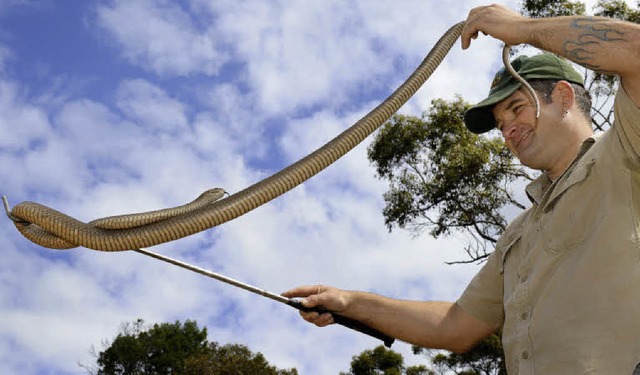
441,325
588,41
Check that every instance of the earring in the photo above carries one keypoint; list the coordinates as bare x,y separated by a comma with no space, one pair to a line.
565,113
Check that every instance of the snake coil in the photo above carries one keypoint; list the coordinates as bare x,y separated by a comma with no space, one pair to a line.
50,228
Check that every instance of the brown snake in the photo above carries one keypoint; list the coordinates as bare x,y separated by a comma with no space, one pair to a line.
50,228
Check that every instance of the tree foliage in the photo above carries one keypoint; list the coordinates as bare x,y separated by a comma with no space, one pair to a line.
160,350
176,348
617,9
443,177
552,8
383,361
231,359
486,358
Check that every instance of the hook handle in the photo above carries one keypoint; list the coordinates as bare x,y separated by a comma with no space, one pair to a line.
347,322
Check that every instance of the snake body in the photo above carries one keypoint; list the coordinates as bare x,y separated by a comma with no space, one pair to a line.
50,228
41,235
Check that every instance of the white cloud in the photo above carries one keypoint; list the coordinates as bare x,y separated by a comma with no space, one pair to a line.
159,36
21,124
151,106
293,65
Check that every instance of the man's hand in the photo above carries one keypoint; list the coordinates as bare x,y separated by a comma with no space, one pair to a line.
496,20
332,299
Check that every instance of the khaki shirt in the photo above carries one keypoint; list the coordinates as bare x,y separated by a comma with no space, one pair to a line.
564,280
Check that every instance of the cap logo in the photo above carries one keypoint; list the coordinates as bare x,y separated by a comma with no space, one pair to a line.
496,81
497,78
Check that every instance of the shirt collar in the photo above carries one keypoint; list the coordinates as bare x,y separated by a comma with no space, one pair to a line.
538,187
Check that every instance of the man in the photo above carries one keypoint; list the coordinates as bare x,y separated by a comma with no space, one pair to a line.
563,281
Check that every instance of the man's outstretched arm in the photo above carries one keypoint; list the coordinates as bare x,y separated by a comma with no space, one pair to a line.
438,325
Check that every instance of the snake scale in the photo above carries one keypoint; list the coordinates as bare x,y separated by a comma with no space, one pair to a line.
53,229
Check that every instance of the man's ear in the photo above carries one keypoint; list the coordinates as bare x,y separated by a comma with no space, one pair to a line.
564,95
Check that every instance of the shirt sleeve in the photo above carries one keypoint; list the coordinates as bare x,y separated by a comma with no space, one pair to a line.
483,297
627,125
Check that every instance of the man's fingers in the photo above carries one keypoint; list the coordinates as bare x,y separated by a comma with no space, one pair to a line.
470,30
466,40
310,295
302,291
320,320
496,20
319,295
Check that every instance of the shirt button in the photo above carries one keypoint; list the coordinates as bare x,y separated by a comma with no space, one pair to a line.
524,316
525,355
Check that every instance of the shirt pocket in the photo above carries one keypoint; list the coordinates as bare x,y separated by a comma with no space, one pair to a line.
507,242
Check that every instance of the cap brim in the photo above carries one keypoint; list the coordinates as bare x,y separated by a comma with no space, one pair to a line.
479,118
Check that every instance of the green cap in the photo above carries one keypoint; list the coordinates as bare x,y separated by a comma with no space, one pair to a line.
479,118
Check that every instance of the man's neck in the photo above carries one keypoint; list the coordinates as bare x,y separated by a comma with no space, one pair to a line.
567,158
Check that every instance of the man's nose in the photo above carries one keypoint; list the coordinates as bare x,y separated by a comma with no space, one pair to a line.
508,129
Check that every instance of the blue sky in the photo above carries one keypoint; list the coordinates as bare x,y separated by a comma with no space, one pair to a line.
111,107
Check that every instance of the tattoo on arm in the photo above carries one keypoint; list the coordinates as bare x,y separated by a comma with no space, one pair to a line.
594,33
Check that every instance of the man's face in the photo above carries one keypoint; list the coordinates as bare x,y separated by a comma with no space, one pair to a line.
531,140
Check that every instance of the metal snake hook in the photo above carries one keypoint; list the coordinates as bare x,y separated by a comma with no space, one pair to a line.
337,318
507,64
7,209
